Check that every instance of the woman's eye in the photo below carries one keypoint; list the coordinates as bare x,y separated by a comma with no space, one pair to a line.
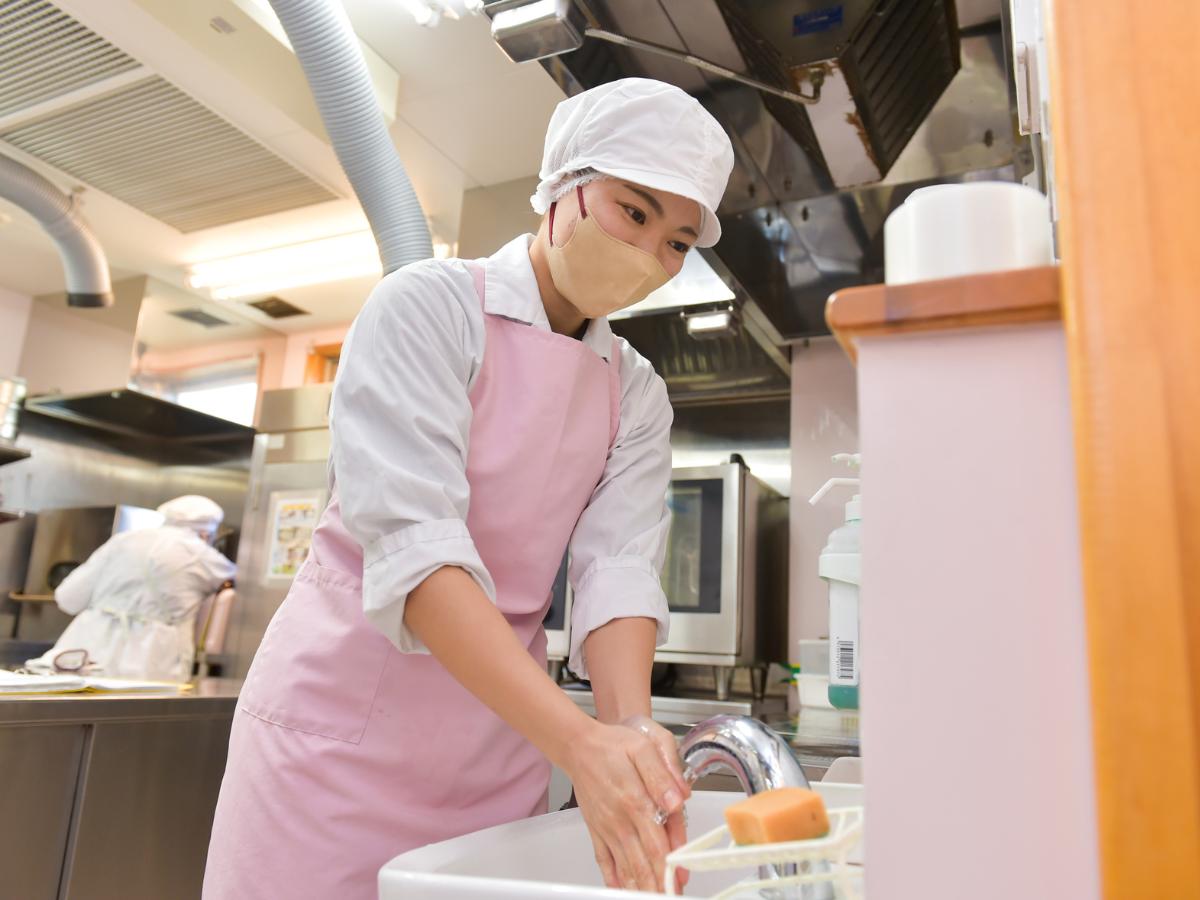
636,214
679,246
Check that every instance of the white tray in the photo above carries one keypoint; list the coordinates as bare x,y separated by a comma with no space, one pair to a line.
716,851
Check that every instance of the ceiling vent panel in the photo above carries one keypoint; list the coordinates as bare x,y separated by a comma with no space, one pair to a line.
277,308
46,54
154,147
199,317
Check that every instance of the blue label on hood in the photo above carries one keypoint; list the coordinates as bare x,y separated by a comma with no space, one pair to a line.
816,21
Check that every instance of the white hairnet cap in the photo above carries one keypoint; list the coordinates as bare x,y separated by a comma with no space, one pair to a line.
644,131
192,511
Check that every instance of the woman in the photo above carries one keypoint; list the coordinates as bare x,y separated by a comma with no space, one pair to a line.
484,418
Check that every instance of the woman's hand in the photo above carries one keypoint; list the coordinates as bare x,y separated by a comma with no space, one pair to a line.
676,823
623,778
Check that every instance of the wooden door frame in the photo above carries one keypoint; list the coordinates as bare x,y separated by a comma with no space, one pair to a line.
317,361
1125,106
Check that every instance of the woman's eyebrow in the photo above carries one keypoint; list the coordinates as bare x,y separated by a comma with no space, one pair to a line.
648,197
658,208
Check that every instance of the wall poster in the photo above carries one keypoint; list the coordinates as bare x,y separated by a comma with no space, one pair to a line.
291,523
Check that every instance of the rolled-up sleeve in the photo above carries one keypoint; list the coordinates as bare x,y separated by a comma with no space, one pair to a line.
400,420
619,543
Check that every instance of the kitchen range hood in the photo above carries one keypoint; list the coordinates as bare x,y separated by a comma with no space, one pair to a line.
132,414
907,98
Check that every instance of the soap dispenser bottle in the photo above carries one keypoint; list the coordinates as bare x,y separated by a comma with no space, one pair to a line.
840,566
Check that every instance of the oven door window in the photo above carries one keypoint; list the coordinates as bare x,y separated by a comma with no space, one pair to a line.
691,575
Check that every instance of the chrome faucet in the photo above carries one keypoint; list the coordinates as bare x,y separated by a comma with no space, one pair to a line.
757,756
760,760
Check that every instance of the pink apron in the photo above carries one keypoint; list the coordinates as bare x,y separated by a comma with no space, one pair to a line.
346,752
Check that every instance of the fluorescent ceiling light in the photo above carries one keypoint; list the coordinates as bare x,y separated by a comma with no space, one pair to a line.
720,323
266,271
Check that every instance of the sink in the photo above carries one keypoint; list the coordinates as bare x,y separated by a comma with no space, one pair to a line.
550,856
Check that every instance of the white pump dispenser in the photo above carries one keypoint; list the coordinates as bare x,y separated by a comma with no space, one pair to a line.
840,566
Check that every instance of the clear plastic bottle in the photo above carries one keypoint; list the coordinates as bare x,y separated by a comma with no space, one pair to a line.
840,566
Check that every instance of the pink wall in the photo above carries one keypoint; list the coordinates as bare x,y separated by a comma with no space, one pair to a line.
824,422
271,352
283,356
14,322
976,727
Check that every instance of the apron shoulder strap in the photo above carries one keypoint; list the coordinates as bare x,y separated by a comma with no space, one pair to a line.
614,387
478,272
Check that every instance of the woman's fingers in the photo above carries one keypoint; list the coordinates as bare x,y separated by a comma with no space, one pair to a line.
604,860
645,863
669,751
667,747
643,843
660,783
676,838
621,783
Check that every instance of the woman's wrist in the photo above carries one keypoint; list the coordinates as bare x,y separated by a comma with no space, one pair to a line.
569,737
629,703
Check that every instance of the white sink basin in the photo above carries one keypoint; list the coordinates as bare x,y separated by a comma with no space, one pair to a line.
550,857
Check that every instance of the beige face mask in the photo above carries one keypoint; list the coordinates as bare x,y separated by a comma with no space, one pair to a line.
599,274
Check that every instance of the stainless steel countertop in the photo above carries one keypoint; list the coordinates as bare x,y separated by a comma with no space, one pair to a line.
819,733
832,731
210,698
822,732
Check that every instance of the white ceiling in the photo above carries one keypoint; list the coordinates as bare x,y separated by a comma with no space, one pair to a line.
466,116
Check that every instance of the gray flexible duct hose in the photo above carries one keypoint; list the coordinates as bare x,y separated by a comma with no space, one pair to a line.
324,41
83,258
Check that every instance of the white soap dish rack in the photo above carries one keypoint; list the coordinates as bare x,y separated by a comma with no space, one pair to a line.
715,851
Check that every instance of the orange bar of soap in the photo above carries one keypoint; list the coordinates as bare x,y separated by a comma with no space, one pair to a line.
784,814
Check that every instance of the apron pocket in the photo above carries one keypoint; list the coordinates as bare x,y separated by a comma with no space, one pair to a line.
320,663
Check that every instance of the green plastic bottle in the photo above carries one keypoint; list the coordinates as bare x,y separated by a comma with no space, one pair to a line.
840,566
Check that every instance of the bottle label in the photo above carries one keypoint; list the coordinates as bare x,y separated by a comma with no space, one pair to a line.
843,633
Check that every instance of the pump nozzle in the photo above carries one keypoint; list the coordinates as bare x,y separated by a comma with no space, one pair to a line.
852,508
829,486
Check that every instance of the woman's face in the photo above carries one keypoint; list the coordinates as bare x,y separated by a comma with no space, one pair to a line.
663,225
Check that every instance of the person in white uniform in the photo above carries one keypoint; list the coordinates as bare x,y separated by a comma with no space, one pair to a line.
135,599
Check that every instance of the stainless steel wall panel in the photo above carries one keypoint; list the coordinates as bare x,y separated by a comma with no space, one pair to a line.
39,768
147,808
259,596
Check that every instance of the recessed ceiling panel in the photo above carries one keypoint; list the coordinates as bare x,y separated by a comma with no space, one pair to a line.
155,148
45,54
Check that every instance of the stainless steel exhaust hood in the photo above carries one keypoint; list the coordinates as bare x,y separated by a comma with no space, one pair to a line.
132,414
906,100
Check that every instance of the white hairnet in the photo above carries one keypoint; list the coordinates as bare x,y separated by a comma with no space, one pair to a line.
192,511
572,180
644,131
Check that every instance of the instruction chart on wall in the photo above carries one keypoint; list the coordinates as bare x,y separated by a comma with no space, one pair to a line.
293,519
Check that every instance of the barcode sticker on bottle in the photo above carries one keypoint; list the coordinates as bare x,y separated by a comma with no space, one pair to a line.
845,659
843,634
